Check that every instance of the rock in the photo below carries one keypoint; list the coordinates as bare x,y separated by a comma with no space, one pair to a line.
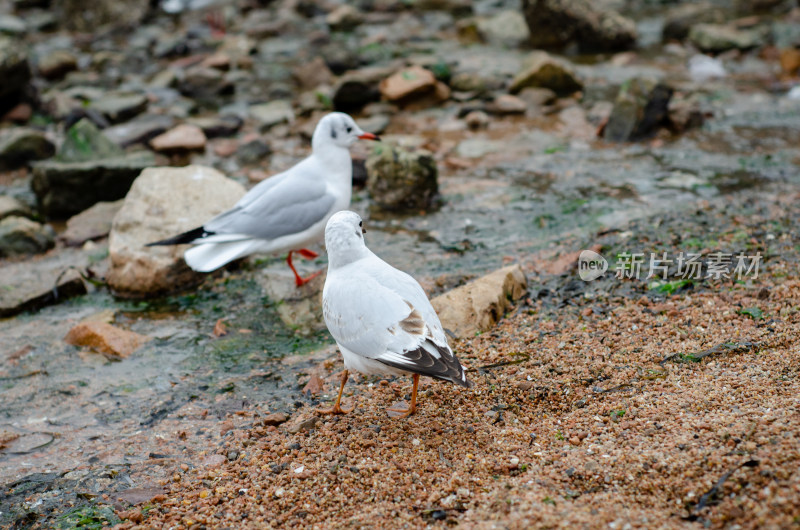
140,130
300,308
182,138
252,152
537,96
20,236
359,87
310,75
679,20
218,126
204,83
120,107
591,25
56,64
684,114
11,25
702,68
468,82
477,147
105,338
92,223
407,83
507,104
542,70
276,418
85,142
506,28
89,18
640,108
398,179
21,145
163,202
213,461
477,119
718,38
344,18
14,71
480,304
34,283
10,206
790,61
19,114
268,115
303,424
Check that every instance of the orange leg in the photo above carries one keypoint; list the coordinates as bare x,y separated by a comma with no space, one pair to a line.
308,254
337,407
413,407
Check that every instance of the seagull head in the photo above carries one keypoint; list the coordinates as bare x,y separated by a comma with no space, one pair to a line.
344,238
338,129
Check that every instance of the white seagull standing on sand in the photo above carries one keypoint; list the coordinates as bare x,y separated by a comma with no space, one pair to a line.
380,317
286,212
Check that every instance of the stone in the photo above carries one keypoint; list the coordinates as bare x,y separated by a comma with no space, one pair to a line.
10,206
477,119
139,130
218,126
276,418
480,304
593,26
163,202
20,236
468,82
252,152
90,17
11,25
507,104
303,424
684,114
311,74
105,338
34,283
22,145
542,70
300,308
14,71
639,109
506,28
267,115
537,96
679,20
204,83
344,18
19,114
85,142
399,179
407,83
92,223
181,138
718,38
120,107
56,64
790,61
359,87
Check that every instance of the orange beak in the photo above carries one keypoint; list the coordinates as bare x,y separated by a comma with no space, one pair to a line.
370,136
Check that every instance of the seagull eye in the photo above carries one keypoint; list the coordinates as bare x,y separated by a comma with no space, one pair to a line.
349,129
361,223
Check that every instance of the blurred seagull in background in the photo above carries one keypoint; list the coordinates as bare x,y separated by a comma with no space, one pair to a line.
380,317
286,212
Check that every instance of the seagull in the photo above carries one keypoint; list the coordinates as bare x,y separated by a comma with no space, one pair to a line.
286,212
379,316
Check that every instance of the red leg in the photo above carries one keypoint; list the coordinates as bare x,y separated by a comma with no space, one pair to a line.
337,407
413,407
308,254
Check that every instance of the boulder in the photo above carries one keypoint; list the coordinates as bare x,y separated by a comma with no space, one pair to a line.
542,70
14,71
163,202
718,38
640,108
92,223
181,138
399,179
407,84
20,236
506,28
10,206
593,26
300,308
34,283
89,168
105,338
118,107
140,130
480,304
19,146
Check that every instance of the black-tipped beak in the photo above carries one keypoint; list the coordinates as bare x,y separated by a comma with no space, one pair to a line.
370,136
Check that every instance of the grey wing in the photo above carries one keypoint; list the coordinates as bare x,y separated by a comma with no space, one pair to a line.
291,205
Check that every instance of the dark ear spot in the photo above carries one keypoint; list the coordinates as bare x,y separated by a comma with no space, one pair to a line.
333,133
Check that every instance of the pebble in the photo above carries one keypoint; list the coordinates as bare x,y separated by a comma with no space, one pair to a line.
184,137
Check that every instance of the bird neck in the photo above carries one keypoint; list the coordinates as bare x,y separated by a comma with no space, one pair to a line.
345,253
332,156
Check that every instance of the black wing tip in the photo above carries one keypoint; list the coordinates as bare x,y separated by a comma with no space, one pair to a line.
447,368
186,237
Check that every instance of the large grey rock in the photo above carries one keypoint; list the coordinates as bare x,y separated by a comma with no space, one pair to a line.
480,304
34,283
15,72
640,108
300,308
140,130
163,202
20,236
593,26
89,168
398,179
92,223
21,145
719,38
120,107
542,70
